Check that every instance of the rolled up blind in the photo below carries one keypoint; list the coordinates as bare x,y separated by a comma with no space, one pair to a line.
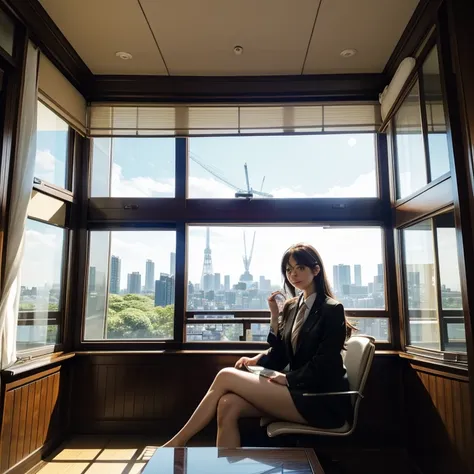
202,120
61,96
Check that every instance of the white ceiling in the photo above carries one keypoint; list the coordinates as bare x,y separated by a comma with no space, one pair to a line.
197,37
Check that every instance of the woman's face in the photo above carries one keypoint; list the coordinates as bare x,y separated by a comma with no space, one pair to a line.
301,276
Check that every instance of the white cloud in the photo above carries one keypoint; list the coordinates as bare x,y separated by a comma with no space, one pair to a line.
45,165
41,263
140,186
209,188
363,186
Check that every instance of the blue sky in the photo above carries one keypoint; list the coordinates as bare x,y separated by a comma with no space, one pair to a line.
293,166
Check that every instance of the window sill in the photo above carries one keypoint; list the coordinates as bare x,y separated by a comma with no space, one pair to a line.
459,370
21,368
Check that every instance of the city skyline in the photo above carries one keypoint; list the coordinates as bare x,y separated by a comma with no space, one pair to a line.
139,177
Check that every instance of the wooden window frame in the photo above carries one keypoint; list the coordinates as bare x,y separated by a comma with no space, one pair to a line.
179,212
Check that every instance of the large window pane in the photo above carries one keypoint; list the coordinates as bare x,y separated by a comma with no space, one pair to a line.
435,118
133,167
420,288
51,147
431,326
335,165
130,288
41,286
410,152
219,280
452,315
379,328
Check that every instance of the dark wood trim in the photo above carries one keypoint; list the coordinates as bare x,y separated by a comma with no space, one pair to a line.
235,89
423,18
424,124
258,211
435,197
11,100
44,32
391,302
80,247
265,314
181,281
18,382
457,78
437,367
443,334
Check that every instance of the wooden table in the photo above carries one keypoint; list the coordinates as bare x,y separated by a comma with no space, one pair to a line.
233,461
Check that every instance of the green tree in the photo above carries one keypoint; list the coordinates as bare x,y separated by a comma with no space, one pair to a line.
135,316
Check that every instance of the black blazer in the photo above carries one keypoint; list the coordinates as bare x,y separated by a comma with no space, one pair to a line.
317,363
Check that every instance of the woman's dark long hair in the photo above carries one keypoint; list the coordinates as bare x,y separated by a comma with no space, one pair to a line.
307,255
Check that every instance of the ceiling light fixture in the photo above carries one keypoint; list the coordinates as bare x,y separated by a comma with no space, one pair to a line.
348,53
238,50
123,55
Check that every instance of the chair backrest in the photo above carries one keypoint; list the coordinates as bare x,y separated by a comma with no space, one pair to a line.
358,360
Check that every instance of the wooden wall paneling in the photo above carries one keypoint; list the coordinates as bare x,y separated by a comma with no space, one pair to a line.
6,431
156,393
35,422
14,441
33,419
437,420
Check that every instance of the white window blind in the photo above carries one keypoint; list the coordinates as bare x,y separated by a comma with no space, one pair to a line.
168,120
61,96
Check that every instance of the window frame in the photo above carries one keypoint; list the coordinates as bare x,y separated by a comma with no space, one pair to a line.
67,196
434,198
441,314
180,212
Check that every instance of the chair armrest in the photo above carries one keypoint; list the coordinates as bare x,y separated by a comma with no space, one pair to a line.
323,394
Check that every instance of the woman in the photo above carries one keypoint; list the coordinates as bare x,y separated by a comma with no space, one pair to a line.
308,335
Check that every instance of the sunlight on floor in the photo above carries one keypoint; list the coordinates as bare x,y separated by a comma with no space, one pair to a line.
100,455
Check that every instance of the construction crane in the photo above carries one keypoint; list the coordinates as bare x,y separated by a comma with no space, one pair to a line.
247,259
248,193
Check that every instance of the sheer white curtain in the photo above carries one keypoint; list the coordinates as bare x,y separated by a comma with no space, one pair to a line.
23,169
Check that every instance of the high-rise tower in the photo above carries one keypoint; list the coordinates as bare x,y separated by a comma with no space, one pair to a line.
207,278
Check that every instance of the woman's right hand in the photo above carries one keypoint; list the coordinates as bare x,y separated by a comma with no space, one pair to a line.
245,362
272,304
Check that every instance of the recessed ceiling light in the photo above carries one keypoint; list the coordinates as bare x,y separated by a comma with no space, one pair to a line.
238,50
123,55
348,53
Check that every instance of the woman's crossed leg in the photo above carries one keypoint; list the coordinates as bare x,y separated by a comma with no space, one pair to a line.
261,395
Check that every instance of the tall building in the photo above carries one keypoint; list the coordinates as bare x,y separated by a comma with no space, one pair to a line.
207,277
264,284
91,279
380,269
164,290
217,281
341,276
172,263
134,283
115,267
227,282
150,276
358,275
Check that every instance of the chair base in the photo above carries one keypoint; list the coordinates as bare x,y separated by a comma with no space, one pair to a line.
283,428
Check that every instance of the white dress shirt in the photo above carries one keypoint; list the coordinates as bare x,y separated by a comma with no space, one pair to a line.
309,304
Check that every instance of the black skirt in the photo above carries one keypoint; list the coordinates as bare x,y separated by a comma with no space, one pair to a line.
329,411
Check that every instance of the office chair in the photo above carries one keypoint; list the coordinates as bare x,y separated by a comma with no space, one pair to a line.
358,360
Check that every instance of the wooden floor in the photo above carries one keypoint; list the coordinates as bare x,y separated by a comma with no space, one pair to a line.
102,455
128,455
